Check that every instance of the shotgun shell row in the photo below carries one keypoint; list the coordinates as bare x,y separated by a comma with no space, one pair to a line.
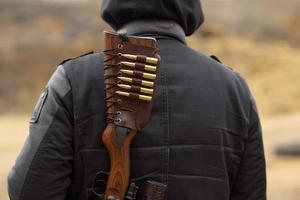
140,58
136,89
137,77
134,95
139,66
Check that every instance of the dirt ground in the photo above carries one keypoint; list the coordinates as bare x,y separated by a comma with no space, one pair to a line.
283,173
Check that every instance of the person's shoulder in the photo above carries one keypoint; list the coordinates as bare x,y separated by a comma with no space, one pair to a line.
84,71
82,61
230,79
214,68
85,65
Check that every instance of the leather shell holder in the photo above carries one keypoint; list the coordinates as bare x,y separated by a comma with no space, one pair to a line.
131,65
126,64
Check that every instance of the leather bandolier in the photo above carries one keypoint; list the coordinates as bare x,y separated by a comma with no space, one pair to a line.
130,66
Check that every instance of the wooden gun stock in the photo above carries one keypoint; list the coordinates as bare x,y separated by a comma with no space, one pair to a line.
119,163
131,64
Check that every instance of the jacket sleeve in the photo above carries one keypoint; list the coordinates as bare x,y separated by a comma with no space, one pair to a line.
250,183
44,166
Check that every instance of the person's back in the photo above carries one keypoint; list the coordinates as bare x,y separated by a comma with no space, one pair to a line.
203,139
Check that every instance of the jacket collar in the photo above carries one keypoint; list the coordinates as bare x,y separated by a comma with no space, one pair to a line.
154,28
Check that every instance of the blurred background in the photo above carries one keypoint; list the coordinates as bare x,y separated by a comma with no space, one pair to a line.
259,38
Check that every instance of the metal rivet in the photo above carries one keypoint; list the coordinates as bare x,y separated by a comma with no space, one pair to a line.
111,198
118,120
120,46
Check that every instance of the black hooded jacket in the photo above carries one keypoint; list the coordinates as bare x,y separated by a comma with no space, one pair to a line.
204,138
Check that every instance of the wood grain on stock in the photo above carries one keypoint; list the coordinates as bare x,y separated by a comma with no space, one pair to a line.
119,162
119,157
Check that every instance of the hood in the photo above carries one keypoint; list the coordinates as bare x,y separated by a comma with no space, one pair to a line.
187,13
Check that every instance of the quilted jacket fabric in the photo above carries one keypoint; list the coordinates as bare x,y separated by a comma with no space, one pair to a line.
204,138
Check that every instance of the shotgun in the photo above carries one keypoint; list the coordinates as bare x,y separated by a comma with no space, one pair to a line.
130,73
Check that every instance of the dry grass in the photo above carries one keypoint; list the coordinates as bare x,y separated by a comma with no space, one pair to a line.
283,173
13,132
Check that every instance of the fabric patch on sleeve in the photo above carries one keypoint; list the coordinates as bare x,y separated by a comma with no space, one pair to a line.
38,107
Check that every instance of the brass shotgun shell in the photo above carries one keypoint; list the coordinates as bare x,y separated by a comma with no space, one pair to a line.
136,88
139,66
134,95
145,98
136,81
123,93
141,58
151,60
139,74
